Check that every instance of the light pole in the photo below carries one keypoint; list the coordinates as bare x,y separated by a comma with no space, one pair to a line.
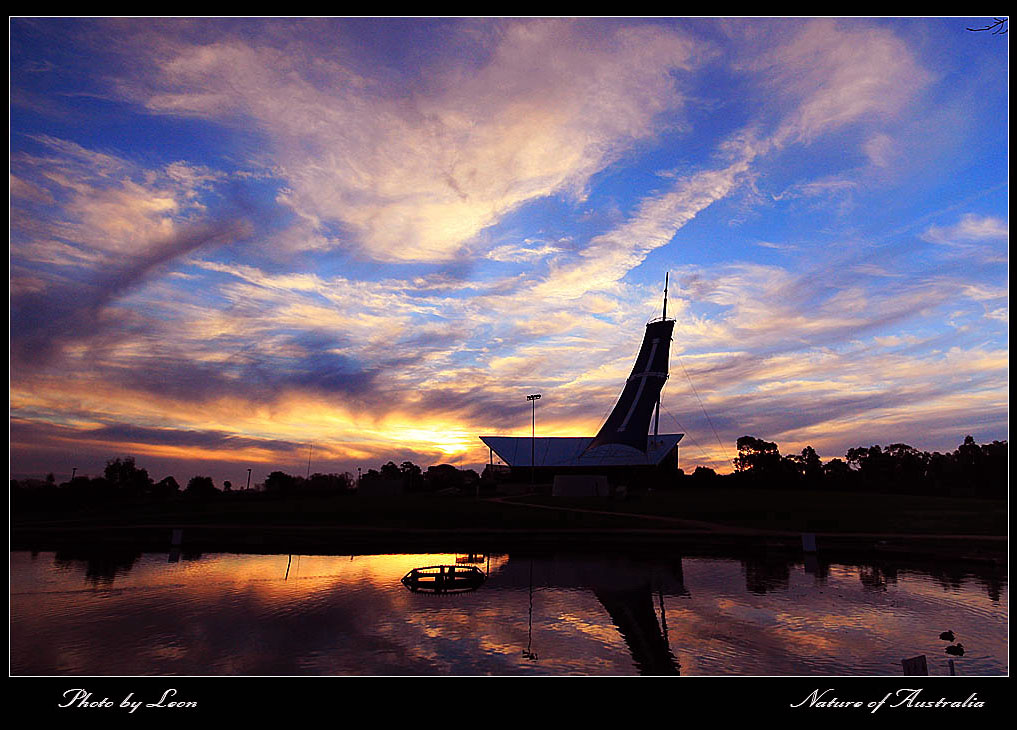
533,436
248,479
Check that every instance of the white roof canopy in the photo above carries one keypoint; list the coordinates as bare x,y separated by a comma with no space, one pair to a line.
563,451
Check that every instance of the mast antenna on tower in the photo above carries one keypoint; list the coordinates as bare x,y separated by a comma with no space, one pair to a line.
666,274
656,417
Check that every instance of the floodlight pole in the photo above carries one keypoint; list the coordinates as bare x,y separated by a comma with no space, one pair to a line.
533,436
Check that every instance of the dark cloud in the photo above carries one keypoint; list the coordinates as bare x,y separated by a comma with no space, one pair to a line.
68,312
28,431
472,405
174,437
256,373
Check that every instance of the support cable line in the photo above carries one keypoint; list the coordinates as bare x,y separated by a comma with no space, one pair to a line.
687,434
709,420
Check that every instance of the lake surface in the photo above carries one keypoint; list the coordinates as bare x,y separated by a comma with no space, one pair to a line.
216,614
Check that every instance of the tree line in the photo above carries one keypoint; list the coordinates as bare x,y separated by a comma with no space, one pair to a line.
407,476
978,470
972,469
123,480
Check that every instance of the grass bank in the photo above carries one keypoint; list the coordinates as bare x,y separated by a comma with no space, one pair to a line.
802,511
700,519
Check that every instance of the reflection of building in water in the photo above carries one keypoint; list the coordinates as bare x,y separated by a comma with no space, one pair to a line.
633,613
623,587
818,569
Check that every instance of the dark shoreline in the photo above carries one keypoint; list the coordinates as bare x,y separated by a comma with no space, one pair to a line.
316,539
718,522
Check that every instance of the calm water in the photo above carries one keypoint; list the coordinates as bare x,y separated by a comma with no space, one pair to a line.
134,614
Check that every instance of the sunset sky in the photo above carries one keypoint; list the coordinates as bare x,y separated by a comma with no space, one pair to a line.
235,242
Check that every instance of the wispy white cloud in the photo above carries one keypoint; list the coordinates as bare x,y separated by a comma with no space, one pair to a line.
100,204
815,188
837,73
610,256
971,228
832,75
880,150
528,251
417,177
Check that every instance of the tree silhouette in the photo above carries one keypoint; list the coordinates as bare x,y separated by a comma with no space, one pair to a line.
200,486
808,465
997,27
279,481
125,475
757,456
165,488
412,475
704,474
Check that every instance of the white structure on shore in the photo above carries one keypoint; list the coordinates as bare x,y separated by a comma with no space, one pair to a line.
623,440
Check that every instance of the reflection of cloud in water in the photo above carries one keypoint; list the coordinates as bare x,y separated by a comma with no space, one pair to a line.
239,614
750,615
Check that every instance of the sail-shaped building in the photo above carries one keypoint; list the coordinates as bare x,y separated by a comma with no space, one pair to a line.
624,441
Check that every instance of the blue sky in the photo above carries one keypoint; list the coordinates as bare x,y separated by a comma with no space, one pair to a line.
234,241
